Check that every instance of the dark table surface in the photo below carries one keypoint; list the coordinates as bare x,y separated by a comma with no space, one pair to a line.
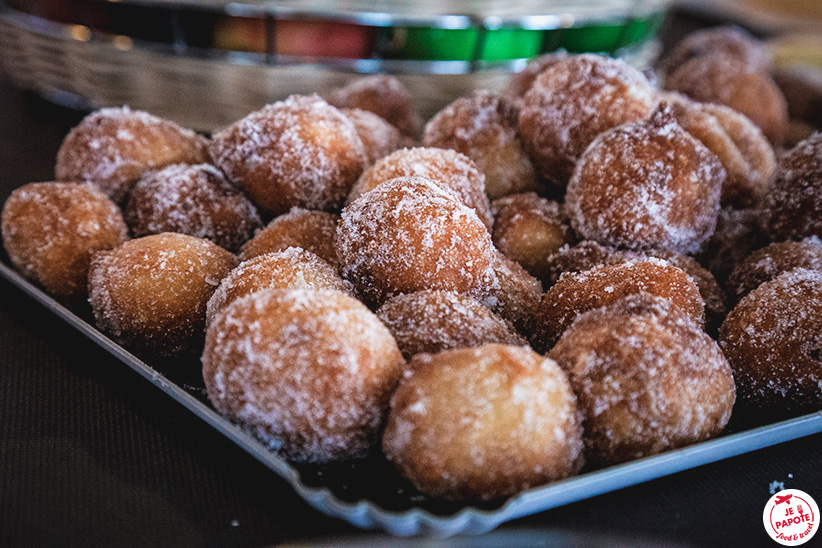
92,454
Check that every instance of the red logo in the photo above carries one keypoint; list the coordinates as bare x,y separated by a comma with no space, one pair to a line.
791,517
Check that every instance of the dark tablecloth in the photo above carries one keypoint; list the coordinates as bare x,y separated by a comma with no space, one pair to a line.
91,454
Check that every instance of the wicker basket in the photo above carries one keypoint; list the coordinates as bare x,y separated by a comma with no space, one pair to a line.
206,88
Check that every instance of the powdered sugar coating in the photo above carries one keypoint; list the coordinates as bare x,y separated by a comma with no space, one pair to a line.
795,203
314,231
528,229
51,230
576,293
646,377
297,152
191,199
410,234
773,341
150,293
589,254
433,321
748,89
379,138
739,144
730,41
571,102
646,184
484,127
309,372
483,423
294,268
383,95
113,147
449,168
766,264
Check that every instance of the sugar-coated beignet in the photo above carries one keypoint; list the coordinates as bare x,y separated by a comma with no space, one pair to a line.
383,95
773,341
411,234
795,202
646,377
742,149
51,230
113,147
191,199
763,265
748,89
730,41
298,152
483,423
646,184
309,372
433,321
150,293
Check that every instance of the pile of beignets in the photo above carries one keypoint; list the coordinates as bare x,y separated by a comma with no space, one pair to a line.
582,268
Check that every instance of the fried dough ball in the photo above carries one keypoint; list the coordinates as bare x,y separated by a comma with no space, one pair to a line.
191,199
738,232
484,127
410,234
383,95
646,184
579,292
743,150
589,254
51,231
733,42
511,293
772,340
763,265
483,423
449,168
521,81
113,147
433,321
298,152
749,90
314,231
795,203
378,136
293,268
150,293
571,102
646,377
528,229
309,372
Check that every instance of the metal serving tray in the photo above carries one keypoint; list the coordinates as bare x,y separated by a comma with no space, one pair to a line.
369,494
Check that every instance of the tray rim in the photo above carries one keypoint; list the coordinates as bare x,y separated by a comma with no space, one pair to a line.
468,520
